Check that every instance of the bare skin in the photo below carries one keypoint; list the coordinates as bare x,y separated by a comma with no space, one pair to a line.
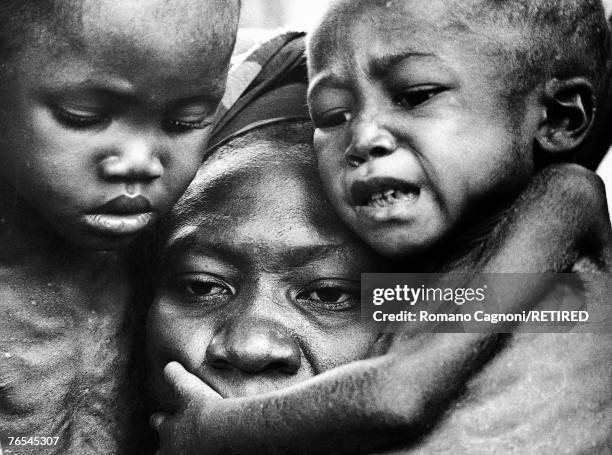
64,341
104,126
398,397
399,106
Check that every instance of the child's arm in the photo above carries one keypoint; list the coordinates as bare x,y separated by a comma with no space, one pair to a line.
560,221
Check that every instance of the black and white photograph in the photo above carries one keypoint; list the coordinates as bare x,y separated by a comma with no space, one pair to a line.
305,227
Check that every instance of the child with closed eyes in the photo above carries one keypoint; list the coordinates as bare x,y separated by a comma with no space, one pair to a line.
105,109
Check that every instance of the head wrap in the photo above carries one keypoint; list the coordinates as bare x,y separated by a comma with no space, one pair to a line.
267,86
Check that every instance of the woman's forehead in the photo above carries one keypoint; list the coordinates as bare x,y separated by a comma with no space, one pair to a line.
266,217
245,183
262,188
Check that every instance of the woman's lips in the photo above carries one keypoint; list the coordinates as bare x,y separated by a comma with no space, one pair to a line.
123,215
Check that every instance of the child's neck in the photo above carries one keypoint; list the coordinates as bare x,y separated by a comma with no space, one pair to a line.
462,249
22,229
25,234
30,245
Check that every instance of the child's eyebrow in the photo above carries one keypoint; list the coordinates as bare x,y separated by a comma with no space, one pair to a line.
115,88
377,66
186,102
380,65
124,91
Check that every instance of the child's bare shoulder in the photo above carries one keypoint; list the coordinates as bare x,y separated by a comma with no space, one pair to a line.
535,385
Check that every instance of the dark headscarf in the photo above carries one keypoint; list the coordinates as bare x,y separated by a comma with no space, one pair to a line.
268,86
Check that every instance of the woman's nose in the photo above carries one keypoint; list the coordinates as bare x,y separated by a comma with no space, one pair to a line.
254,345
133,160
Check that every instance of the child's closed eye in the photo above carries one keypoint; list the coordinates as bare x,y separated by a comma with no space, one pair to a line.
85,117
79,118
188,117
172,125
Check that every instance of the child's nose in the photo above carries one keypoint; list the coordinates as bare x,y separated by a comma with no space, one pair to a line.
134,160
370,140
254,345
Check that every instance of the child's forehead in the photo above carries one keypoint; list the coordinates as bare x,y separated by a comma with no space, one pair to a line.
401,12
405,55
188,27
390,27
171,26
159,50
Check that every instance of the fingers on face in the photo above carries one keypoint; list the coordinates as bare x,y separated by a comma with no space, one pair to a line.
186,385
180,380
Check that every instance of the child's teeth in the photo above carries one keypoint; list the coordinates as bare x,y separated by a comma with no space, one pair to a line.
388,197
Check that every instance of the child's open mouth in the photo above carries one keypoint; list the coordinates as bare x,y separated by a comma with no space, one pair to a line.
383,192
390,197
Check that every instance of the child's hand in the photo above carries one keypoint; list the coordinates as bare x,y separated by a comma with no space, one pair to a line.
184,431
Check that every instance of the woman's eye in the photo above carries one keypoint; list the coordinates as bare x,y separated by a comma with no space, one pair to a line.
202,288
172,125
79,119
330,296
332,118
415,97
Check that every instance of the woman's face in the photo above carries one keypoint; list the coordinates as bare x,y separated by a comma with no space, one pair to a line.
260,282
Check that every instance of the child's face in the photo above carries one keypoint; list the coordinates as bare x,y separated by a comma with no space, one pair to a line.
103,130
259,289
412,128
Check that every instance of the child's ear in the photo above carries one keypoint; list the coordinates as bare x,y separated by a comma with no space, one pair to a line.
569,111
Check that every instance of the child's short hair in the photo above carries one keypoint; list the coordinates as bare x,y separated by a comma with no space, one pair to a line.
539,38
552,39
546,39
555,39
17,17
20,18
